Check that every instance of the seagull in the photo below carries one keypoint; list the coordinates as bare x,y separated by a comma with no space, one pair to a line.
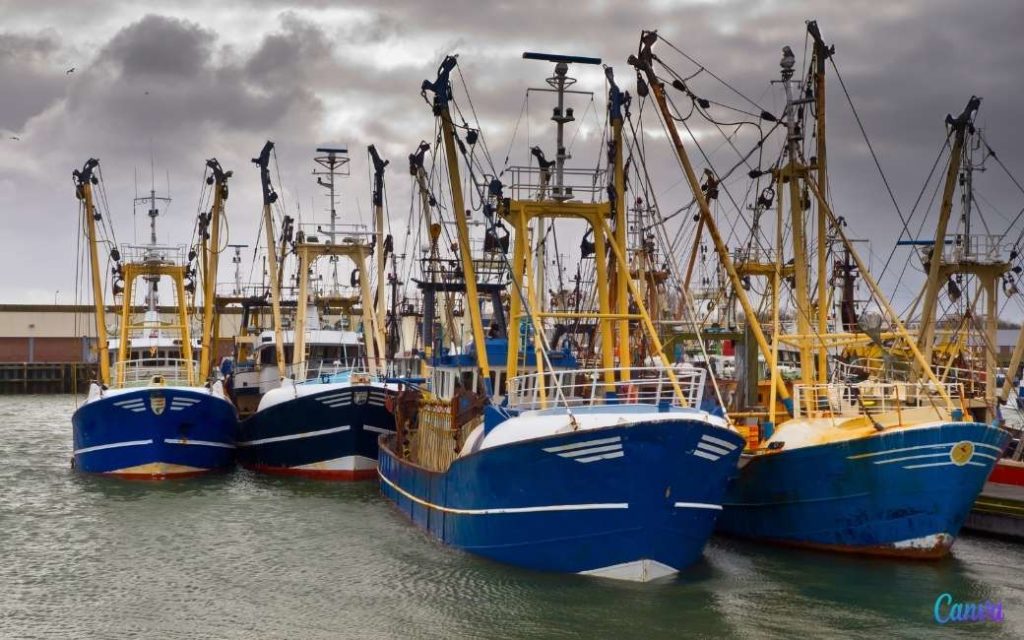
15,138
69,71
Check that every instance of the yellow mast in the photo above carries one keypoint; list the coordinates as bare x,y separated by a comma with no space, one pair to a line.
821,53
442,95
210,260
269,198
621,215
926,334
792,173
643,64
378,211
83,190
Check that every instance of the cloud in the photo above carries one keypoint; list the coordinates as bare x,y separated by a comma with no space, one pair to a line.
192,81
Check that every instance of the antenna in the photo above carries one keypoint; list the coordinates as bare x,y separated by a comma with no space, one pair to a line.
561,115
237,261
335,162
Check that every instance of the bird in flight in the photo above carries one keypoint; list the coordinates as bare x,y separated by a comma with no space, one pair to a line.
69,71
15,138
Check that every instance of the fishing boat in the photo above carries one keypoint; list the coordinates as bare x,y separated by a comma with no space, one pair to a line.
323,417
154,412
879,466
610,471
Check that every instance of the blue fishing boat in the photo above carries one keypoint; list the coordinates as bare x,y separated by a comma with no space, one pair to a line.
325,427
886,464
515,453
329,404
154,412
899,481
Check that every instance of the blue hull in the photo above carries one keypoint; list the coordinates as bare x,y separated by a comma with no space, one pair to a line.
652,500
331,434
899,493
155,432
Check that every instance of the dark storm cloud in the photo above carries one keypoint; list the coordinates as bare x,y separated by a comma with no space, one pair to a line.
29,77
159,46
222,78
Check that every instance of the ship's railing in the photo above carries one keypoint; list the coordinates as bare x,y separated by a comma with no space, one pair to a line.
587,388
335,371
867,398
531,183
971,379
349,234
977,247
138,373
153,254
754,254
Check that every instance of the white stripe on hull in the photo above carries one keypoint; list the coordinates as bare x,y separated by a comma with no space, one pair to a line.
202,443
480,512
295,436
113,445
698,505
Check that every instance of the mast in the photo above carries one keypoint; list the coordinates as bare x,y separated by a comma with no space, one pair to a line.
84,180
620,215
442,90
380,304
792,173
427,202
644,65
960,125
220,195
821,53
269,198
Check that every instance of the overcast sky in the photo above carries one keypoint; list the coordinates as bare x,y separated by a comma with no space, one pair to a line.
188,80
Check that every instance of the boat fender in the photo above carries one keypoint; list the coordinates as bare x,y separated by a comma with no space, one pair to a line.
958,415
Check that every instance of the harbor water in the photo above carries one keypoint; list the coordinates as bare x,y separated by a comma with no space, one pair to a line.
238,555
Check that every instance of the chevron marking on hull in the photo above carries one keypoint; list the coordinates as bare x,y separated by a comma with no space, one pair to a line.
482,512
294,436
590,451
180,403
713,440
135,405
712,448
113,445
709,456
332,397
577,445
130,403
605,456
201,443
